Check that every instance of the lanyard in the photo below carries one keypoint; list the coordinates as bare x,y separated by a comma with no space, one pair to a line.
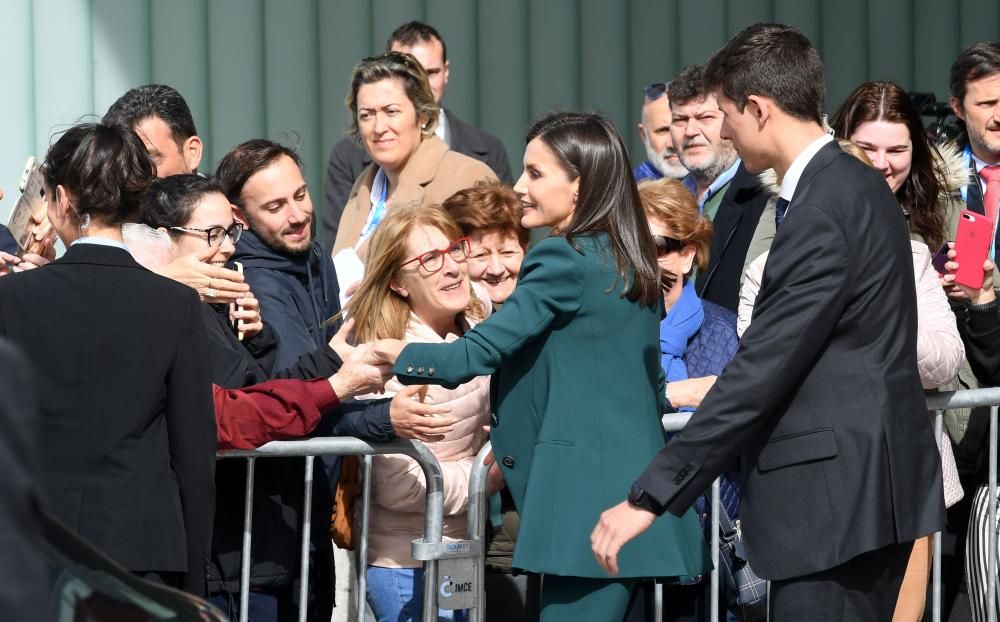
375,216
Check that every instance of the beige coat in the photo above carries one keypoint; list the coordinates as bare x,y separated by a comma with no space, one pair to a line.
432,174
398,485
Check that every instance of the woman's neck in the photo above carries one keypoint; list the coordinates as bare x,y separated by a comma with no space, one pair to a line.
95,230
443,325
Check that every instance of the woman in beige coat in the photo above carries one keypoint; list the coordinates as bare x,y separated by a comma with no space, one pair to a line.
394,113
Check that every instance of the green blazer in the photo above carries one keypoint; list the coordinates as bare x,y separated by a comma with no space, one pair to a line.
577,389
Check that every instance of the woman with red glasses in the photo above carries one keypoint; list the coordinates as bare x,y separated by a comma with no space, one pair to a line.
416,288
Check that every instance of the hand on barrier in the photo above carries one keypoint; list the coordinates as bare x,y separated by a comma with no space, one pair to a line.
214,284
689,393
357,377
616,527
413,419
246,310
494,478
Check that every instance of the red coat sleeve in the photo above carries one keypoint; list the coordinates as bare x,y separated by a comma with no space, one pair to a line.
274,410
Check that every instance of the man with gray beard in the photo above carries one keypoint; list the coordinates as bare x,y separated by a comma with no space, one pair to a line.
654,130
695,130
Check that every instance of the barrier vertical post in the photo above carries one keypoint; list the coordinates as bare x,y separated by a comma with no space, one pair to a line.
714,594
306,529
362,562
936,602
992,554
247,526
476,524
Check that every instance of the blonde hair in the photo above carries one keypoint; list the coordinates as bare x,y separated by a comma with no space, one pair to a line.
669,201
408,70
379,312
852,148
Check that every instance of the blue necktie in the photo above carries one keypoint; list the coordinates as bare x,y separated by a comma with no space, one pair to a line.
779,212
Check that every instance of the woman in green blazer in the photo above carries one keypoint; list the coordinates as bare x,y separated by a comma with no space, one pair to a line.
578,387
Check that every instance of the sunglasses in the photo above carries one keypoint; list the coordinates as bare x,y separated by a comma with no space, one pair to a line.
654,91
665,245
433,261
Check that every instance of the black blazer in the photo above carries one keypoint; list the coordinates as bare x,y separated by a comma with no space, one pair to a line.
128,423
348,158
733,228
822,402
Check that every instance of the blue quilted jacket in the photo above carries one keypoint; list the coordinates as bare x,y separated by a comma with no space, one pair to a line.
708,352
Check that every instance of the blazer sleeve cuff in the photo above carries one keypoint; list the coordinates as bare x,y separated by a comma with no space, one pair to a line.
670,483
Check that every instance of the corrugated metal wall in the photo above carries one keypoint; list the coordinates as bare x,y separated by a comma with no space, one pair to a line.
279,68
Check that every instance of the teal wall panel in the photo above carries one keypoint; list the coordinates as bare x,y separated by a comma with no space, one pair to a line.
280,68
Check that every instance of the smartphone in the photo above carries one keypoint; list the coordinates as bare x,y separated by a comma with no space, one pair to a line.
236,323
30,206
972,246
940,259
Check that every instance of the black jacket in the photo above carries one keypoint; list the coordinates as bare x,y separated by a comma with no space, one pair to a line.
980,331
297,294
822,403
7,242
733,226
128,421
348,158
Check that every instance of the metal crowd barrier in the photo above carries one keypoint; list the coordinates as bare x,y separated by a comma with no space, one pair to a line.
465,559
430,549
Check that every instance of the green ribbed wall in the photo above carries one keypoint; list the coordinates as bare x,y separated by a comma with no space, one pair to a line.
279,68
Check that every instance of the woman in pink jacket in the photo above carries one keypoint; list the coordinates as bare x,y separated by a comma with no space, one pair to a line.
416,288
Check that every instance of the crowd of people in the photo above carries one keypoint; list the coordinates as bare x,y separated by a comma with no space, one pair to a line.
787,281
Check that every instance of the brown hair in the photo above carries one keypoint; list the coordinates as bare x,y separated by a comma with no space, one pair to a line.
379,312
669,201
488,206
396,66
886,101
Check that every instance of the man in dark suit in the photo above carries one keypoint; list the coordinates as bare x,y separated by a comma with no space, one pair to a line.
348,158
733,228
822,404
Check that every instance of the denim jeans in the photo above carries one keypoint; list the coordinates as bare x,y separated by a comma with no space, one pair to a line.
262,607
396,595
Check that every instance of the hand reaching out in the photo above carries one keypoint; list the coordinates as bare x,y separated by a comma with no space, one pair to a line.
357,377
214,284
413,419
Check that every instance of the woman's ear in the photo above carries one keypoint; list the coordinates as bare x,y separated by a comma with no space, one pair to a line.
687,257
397,287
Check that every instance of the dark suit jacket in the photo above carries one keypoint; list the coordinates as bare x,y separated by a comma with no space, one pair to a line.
733,226
24,575
126,405
348,159
822,402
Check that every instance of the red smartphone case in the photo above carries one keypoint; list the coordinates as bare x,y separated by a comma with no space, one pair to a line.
972,246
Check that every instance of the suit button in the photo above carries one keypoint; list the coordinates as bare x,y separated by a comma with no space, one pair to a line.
508,462
420,370
430,371
409,369
678,480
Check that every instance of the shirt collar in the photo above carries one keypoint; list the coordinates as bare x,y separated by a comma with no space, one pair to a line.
720,181
100,242
378,187
791,179
979,164
442,129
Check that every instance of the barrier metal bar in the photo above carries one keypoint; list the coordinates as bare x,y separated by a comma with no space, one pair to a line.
991,597
347,446
307,497
936,579
476,525
247,526
362,561
715,551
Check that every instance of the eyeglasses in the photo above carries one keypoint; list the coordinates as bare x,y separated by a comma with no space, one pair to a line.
665,245
433,261
216,234
654,91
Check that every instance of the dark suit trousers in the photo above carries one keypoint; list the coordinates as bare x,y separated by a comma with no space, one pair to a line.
860,590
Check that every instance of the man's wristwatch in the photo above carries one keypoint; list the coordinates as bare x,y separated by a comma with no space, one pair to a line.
637,497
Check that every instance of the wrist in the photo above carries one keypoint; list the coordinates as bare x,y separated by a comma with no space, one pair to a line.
639,498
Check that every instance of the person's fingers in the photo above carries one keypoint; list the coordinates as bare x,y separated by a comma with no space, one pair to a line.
409,391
